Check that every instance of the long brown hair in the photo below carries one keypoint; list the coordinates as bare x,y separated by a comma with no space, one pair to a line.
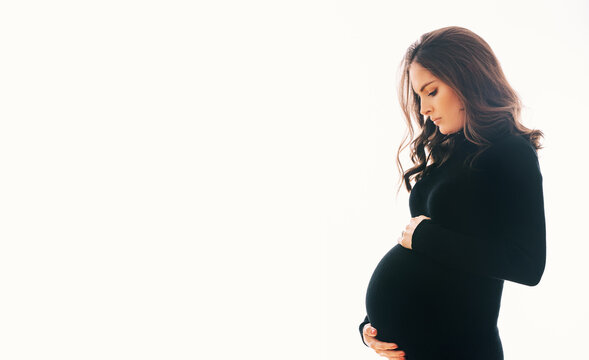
466,63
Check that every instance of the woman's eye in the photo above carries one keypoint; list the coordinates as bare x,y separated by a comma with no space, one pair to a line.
433,93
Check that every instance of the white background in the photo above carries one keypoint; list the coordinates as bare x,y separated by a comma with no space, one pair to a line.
216,180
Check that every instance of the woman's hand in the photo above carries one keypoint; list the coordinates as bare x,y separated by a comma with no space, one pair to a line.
407,235
382,348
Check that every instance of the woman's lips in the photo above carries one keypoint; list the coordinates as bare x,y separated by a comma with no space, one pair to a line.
436,120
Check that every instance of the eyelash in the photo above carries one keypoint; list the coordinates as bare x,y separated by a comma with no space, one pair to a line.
433,92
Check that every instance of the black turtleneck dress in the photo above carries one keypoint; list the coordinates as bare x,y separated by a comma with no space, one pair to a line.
441,299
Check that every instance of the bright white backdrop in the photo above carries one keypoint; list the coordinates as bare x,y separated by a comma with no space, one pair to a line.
216,180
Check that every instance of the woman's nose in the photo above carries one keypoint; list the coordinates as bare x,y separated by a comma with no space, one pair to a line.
425,111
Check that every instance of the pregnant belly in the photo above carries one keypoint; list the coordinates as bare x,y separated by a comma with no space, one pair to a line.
404,297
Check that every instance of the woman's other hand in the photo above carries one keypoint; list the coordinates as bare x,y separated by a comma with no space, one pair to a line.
407,234
388,350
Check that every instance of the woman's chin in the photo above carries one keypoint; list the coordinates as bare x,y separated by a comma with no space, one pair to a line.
446,131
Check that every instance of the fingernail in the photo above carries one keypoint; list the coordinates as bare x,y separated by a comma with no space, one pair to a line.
372,331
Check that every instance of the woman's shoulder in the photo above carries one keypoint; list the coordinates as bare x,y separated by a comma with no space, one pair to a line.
511,144
511,152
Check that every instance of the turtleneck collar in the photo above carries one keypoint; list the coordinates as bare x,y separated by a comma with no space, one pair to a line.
457,134
461,144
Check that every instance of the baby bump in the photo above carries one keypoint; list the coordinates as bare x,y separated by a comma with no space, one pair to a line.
401,299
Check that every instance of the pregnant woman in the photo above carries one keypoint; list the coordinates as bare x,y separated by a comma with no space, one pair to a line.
476,206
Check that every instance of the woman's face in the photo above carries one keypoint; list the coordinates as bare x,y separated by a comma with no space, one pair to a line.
438,100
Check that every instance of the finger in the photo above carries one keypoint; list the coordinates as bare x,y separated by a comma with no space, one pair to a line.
374,343
394,357
392,354
382,346
369,330
389,353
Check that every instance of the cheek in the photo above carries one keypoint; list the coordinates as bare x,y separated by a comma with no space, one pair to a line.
452,105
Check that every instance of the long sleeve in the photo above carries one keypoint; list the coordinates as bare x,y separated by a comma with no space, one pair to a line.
515,248
366,321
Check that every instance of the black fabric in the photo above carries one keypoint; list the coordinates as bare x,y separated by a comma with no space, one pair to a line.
441,299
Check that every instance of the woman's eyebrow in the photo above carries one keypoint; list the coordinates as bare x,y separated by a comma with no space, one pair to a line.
424,85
